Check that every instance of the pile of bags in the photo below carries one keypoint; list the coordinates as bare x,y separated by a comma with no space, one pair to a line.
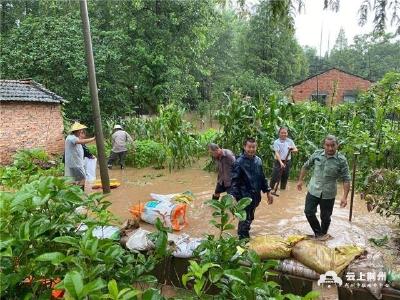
170,209
310,253
307,258
181,245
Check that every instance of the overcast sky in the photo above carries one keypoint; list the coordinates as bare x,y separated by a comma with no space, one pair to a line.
313,18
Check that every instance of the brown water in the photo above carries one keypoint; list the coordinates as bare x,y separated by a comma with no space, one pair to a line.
285,216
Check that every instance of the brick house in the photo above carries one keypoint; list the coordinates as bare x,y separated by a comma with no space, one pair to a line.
30,117
321,87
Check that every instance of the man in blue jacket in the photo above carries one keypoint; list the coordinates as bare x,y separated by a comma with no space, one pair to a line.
248,180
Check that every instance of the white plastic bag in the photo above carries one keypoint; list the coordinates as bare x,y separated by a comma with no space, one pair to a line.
162,198
90,169
139,241
102,232
185,248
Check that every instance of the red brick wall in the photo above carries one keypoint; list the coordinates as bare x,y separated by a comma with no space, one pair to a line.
326,82
30,125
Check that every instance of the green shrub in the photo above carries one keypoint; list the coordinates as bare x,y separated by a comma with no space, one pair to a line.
382,192
39,240
147,153
28,165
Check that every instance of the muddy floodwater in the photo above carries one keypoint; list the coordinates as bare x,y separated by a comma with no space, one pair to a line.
285,216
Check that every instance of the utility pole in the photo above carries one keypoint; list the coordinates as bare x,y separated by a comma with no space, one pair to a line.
105,181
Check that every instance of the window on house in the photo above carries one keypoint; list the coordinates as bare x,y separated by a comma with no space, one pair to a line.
349,96
319,97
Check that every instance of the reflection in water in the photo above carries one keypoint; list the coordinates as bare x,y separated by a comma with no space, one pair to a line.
284,217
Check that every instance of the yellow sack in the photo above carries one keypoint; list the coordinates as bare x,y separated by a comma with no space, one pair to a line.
274,246
321,258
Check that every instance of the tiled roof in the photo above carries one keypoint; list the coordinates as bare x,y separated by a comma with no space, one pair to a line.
26,91
327,70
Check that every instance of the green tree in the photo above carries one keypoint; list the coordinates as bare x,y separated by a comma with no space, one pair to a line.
269,45
341,40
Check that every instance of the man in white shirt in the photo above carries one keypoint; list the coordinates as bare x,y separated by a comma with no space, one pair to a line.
120,139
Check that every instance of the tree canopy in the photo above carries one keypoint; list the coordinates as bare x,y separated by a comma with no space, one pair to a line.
150,52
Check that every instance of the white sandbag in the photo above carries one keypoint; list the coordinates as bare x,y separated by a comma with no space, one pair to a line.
186,248
183,245
90,169
160,197
172,215
106,232
139,241
293,267
81,210
102,232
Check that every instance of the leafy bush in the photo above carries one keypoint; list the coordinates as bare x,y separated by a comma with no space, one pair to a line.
39,241
225,262
168,129
208,136
27,166
382,192
147,153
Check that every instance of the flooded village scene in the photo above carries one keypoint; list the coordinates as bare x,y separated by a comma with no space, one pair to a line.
199,149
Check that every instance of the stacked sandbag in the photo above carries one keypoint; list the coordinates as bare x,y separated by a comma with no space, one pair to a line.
368,263
293,267
274,246
321,258
181,246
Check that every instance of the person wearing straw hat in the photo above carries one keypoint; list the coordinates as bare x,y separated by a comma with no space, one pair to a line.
74,158
120,139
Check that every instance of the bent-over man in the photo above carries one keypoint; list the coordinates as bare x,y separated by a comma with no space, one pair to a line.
225,160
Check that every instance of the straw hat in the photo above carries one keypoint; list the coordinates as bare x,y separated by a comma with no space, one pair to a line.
77,126
117,127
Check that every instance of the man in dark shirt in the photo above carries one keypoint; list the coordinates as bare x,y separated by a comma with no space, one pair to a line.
225,160
248,180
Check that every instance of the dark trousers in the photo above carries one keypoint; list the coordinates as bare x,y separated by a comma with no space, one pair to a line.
276,174
220,188
325,207
120,156
244,226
